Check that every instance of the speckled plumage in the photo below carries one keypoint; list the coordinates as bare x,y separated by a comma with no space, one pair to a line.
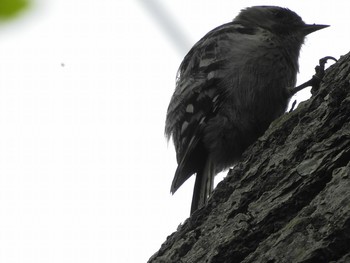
231,85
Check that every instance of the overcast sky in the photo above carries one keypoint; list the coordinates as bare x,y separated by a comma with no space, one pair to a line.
85,170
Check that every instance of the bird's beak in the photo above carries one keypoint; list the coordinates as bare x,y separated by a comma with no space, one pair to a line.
308,29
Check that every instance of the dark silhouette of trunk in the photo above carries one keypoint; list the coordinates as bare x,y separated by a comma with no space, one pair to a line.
288,200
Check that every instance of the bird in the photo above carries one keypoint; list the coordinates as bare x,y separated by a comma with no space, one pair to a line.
230,86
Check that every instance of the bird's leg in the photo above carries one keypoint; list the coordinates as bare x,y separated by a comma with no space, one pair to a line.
316,79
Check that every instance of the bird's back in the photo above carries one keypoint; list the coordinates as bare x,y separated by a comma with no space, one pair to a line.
231,69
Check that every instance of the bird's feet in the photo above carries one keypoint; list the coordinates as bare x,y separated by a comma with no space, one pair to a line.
315,81
319,69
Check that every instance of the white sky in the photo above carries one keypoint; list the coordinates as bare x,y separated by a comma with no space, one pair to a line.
85,171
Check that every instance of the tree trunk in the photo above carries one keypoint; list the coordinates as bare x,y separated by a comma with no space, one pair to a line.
288,200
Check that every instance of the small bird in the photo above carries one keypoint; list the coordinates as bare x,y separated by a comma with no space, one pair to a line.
230,86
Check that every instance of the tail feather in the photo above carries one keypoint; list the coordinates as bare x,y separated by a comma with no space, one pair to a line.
203,186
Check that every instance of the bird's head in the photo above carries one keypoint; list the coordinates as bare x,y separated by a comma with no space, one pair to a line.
277,20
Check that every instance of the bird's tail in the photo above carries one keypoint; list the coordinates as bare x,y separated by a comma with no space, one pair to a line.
203,186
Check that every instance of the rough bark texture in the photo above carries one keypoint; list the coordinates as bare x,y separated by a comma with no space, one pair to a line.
288,200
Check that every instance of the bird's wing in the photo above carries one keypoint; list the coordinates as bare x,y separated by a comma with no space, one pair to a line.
201,89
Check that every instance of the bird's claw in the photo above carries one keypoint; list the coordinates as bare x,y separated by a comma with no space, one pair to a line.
316,79
320,72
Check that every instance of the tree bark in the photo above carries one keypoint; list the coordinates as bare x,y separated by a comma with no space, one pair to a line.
288,199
